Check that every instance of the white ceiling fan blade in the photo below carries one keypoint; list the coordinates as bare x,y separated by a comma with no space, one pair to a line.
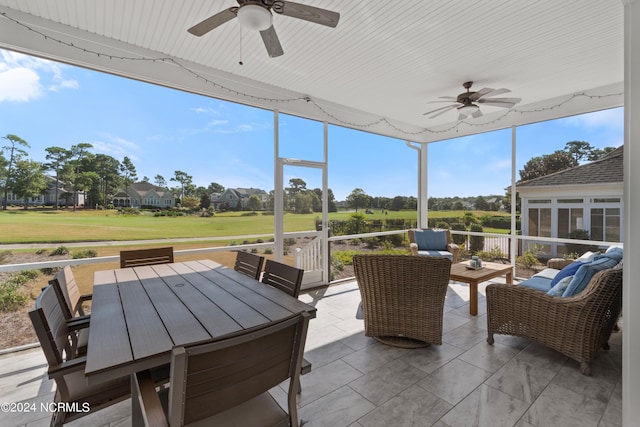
213,22
481,92
477,114
271,42
439,111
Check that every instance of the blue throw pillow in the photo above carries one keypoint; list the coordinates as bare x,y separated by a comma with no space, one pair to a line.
560,287
569,270
430,240
586,272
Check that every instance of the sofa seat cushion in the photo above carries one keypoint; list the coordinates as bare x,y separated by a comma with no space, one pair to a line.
431,240
537,282
444,254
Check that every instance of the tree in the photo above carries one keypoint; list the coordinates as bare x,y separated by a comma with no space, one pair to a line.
579,150
296,186
108,170
79,153
15,154
254,203
160,181
358,199
481,204
205,201
214,187
28,180
547,164
58,158
128,171
304,203
398,202
184,180
598,153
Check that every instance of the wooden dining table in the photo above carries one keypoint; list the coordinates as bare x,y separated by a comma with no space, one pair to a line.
139,314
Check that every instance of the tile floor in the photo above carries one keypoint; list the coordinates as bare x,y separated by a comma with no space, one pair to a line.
357,381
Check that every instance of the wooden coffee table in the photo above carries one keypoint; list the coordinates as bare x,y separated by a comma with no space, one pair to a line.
461,273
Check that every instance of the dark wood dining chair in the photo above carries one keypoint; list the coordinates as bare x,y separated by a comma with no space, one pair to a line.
71,300
226,382
282,276
138,257
66,288
249,264
66,367
288,279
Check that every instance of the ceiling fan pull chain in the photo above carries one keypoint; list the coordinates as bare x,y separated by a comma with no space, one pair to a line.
240,62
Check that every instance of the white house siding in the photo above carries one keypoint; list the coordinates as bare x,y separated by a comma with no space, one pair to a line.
591,199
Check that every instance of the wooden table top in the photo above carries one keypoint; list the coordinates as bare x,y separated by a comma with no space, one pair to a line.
489,270
138,314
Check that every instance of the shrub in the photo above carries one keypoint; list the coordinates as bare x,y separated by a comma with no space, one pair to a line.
87,253
528,260
492,254
60,250
41,251
254,250
268,251
476,243
458,239
345,257
12,296
4,256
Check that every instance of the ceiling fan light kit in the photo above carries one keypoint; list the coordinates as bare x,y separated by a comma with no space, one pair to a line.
255,17
468,109
466,102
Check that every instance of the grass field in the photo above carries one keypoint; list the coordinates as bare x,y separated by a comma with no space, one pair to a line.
49,226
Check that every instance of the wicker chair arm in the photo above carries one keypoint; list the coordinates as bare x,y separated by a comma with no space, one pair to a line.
455,250
414,248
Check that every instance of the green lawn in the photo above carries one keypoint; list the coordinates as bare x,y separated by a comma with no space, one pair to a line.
49,226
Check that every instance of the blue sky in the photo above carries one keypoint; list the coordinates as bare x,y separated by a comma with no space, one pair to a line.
163,130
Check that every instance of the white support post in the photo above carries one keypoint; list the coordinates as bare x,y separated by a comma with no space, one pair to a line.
631,292
278,193
514,240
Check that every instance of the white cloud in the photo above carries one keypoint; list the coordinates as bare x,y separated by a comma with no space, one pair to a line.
22,77
612,118
116,147
19,84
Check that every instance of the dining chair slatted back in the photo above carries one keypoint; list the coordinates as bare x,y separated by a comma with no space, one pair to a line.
66,288
227,381
51,327
284,277
66,368
139,257
249,264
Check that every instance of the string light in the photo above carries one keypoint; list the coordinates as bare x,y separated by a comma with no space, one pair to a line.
323,110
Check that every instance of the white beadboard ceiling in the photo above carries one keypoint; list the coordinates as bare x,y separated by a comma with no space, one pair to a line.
378,70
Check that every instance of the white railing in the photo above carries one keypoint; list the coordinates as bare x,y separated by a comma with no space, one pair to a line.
309,258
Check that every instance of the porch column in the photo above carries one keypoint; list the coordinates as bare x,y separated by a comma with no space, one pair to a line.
631,292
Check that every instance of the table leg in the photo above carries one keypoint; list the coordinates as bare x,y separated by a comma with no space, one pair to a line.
510,277
473,298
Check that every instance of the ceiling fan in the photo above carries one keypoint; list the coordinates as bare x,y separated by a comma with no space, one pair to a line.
466,102
257,15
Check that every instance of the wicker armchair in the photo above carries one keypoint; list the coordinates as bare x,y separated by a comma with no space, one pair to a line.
403,297
576,326
451,247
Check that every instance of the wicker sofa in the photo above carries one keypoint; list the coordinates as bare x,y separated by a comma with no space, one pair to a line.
403,297
576,326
